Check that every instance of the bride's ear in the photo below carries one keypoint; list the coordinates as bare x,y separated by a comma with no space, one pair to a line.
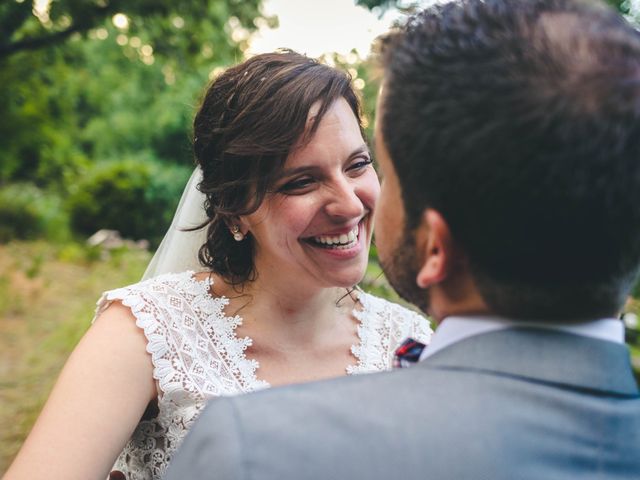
237,228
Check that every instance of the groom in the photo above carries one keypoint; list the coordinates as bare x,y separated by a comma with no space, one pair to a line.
508,137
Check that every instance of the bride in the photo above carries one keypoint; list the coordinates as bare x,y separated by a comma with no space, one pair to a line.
264,294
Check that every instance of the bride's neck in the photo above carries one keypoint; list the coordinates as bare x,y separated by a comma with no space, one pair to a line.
298,314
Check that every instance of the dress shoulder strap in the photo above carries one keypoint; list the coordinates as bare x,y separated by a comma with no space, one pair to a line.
192,343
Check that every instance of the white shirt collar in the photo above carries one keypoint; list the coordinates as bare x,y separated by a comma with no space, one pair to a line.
454,329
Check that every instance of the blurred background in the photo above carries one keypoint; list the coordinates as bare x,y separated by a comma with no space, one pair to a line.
96,103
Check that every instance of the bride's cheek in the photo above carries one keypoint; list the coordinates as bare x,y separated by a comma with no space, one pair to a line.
370,190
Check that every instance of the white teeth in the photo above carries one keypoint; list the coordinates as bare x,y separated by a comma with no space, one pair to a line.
339,240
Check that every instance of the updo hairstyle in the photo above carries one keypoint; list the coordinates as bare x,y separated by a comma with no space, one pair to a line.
252,117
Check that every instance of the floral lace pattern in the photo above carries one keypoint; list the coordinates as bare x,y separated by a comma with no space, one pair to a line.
196,355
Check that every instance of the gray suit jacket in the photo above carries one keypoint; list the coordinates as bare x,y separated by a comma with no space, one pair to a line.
513,404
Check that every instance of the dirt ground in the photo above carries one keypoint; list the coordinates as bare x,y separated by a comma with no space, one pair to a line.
47,299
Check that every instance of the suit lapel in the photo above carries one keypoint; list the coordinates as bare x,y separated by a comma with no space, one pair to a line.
543,355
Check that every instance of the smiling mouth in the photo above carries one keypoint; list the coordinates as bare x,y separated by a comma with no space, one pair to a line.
340,242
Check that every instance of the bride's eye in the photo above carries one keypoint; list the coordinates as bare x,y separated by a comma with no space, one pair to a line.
297,185
360,164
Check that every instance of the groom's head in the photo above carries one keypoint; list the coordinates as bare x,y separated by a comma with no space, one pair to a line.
509,141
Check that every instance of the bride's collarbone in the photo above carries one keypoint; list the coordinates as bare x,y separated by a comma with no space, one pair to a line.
301,362
286,367
282,340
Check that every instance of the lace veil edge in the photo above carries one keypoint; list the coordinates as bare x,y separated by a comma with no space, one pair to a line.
178,250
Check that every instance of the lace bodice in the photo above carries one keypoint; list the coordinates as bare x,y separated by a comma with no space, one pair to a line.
196,355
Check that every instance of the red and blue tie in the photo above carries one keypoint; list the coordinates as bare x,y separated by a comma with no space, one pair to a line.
408,353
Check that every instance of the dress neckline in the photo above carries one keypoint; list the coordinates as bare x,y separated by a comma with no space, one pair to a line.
244,368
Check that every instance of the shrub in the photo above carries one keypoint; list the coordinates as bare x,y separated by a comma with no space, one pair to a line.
136,197
27,212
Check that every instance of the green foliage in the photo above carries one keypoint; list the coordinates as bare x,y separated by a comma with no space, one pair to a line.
366,76
381,4
37,120
72,104
136,197
635,292
372,76
116,92
28,212
25,28
622,6
150,112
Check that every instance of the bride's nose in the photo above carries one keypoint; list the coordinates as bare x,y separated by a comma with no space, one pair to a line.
343,200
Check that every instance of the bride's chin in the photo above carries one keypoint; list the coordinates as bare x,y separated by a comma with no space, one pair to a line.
349,280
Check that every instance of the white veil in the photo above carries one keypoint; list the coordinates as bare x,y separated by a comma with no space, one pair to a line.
179,249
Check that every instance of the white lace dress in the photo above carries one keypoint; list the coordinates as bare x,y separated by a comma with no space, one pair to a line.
196,355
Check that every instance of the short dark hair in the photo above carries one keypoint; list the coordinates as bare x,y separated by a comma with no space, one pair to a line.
251,118
519,121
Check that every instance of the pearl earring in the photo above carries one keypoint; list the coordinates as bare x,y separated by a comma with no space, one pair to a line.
238,236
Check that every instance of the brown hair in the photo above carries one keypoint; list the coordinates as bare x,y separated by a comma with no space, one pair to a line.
250,120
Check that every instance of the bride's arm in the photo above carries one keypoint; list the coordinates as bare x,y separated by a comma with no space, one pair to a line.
95,405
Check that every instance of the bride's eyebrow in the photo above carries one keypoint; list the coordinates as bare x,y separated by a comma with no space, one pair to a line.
361,149
297,170
309,168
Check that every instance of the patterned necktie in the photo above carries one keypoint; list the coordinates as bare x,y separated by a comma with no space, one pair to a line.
408,353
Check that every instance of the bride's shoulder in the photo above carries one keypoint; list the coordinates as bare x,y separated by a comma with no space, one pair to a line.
171,283
165,289
393,316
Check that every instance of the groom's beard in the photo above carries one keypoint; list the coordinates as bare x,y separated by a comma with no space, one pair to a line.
402,269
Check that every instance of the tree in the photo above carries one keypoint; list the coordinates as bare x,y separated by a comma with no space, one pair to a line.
25,27
83,86
126,86
623,6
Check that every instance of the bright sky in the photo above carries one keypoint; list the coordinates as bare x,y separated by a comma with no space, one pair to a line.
315,27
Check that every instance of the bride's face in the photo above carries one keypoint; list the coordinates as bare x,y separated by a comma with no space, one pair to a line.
316,225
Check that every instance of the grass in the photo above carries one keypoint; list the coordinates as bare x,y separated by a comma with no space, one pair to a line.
47,299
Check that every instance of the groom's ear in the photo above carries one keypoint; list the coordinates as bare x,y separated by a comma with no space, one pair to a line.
436,249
